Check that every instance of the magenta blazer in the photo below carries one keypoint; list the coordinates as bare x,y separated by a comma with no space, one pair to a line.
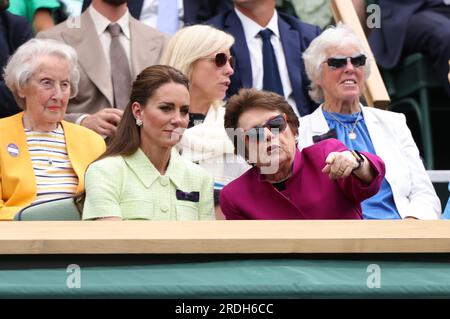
309,193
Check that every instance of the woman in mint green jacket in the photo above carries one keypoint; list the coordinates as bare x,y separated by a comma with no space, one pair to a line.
141,175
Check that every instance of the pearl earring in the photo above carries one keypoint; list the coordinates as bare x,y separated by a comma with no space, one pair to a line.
138,122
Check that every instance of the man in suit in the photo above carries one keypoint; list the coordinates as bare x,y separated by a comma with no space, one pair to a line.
194,11
14,31
413,26
95,105
289,39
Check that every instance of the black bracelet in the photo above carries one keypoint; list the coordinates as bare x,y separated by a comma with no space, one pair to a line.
359,158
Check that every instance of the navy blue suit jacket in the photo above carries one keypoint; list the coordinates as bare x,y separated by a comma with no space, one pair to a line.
387,42
14,31
295,38
195,11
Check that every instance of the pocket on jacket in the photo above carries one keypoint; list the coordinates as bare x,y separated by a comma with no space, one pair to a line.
137,209
186,210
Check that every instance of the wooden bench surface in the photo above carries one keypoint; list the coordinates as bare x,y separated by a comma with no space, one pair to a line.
198,237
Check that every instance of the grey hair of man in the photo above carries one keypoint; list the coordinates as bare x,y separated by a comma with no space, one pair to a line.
339,36
25,62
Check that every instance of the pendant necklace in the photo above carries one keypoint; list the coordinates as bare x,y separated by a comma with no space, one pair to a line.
41,144
351,133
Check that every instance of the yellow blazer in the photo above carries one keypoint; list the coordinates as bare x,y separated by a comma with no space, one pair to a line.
17,179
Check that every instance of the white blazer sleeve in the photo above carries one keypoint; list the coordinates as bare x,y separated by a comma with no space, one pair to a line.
422,201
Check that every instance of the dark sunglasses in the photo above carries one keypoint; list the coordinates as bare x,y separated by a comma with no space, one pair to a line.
221,59
341,61
276,125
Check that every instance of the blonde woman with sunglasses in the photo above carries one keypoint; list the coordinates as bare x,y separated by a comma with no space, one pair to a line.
338,66
324,181
202,53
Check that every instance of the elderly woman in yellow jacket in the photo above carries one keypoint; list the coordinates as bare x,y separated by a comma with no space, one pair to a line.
42,157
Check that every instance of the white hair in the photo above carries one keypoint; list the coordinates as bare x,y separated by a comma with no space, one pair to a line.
25,61
333,37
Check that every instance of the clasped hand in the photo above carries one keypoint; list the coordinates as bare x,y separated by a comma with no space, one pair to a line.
339,164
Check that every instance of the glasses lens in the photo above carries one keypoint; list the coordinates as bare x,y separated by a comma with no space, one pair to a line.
221,59
359,60
255,134
277,123
337,62
232,62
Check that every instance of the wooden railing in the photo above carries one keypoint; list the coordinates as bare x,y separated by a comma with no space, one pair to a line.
225,237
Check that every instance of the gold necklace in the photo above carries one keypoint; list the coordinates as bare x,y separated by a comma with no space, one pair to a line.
351,134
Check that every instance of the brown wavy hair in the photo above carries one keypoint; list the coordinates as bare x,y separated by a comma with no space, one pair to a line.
127,139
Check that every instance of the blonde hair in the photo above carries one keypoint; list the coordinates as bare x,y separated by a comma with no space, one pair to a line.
333,37
192,43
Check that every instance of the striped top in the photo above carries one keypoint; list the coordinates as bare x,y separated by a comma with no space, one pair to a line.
55,177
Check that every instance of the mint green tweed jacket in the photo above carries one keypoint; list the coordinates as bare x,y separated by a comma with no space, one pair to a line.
132,188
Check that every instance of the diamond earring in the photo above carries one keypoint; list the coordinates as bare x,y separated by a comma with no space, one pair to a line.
138,122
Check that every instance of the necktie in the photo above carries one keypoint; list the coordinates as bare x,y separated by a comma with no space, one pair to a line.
271,79
168,16
120,71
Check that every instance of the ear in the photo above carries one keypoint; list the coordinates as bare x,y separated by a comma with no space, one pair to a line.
21,93
318,81
137,110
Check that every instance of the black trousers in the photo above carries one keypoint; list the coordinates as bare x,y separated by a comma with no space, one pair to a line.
429,33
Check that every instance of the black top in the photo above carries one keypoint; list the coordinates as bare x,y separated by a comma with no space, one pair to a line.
195,119
281,186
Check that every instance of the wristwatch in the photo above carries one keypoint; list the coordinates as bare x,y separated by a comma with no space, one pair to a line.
359,158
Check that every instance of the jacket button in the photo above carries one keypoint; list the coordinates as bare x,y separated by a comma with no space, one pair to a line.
164,181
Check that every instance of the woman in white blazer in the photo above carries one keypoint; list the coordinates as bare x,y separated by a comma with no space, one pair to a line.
337,66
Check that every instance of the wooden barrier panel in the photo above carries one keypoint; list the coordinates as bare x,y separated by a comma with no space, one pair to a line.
375,91
225,237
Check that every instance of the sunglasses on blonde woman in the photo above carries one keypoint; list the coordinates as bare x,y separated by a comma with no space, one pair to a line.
276,125
221,59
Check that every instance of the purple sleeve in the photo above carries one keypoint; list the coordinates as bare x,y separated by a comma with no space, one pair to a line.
357,189
227,207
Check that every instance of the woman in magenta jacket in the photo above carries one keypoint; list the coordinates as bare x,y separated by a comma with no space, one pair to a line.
324,181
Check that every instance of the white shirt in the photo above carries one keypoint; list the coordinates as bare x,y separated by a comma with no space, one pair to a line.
73,7
254,44
149,13
101,23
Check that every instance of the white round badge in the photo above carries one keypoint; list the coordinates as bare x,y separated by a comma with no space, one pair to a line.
13,150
